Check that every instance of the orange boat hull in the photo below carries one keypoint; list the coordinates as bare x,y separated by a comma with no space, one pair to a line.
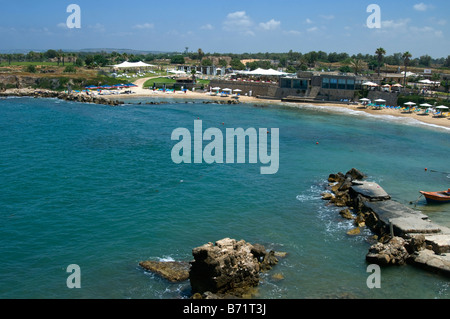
437,197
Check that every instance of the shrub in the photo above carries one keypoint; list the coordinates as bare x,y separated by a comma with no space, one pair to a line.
70,69
31,68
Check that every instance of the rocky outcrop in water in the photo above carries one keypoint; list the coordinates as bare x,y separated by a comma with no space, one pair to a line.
75,97
228,267
224,270
404,235
174,271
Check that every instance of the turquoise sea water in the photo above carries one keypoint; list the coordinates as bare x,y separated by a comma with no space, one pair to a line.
95,186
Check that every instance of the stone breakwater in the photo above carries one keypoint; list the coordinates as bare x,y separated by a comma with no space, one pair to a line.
404,235
226,269
75,97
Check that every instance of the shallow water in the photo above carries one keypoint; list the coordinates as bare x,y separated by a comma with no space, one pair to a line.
95,185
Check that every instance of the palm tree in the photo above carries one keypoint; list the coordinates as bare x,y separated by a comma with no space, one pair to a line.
406,57
201,54
357,65
193,73
380,52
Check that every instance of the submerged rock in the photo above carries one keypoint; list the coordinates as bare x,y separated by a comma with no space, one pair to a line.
174,271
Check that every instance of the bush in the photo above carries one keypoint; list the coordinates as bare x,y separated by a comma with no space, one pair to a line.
31,68
70,69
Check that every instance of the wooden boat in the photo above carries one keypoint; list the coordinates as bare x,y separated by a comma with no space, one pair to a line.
437,197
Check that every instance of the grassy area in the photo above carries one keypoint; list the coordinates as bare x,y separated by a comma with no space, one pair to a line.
5,64
160,80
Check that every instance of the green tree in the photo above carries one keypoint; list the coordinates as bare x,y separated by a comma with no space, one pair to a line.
70,69
201,54
177,59
236,64
89,61
207,62
357,65
78,62
50,54
425,60
380,52
223,63
447,62
406,59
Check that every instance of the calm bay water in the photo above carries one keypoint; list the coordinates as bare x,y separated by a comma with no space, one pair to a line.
96,186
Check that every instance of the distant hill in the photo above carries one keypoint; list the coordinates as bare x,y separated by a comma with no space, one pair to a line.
127,51
92,50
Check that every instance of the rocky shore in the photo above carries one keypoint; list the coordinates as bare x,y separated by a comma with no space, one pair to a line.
75,97
224,270
404,235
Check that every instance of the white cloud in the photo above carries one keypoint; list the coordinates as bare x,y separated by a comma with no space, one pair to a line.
239,22
308,21
144,26
292,32
312,29
327,17
236,20
428,31
207,27
97,27
270,25
395,25
421,7
62,25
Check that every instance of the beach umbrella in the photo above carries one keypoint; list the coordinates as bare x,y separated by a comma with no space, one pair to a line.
364,99
441,107
410,103
216,88
398,85
426,105
237,90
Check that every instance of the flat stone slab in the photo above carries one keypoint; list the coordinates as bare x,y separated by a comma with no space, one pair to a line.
439,242
415,225
390,209
173,271
428,259
370,190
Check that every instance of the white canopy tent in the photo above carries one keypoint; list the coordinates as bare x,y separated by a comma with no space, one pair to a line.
370,84
269,72
129,65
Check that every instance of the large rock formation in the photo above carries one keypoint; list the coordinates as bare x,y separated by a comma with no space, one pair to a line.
228,267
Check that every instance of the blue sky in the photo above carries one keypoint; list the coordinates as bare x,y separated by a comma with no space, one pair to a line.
419,26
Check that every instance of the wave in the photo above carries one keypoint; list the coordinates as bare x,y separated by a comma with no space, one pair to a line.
386,117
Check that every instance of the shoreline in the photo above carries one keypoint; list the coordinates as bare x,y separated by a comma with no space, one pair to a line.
424,119
117,99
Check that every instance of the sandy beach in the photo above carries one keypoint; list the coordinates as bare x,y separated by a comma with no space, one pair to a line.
141,92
